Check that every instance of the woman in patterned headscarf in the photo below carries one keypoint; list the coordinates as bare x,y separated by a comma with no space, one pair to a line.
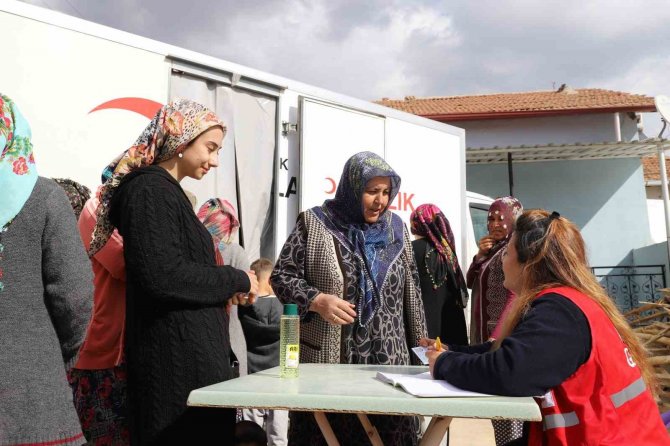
349,267
485,277
175,290
98,379
443,288
45,295
219,217
221,221
77,193
489,296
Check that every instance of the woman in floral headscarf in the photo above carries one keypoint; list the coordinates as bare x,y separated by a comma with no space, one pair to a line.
489,296
349,267
443,288
174,289
220,219
45,295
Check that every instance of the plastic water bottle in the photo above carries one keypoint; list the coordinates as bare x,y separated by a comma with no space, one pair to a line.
289,342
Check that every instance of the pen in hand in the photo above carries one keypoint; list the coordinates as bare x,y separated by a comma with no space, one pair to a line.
433,355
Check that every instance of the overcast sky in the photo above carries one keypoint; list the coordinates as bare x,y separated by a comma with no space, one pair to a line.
390,48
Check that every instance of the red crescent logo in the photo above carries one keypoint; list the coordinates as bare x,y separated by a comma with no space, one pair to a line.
145,107
333,186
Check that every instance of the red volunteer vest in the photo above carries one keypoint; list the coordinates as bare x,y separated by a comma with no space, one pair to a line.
605,402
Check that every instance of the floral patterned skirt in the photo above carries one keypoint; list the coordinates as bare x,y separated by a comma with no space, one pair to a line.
100,398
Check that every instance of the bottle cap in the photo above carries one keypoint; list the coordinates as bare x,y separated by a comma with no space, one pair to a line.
290,310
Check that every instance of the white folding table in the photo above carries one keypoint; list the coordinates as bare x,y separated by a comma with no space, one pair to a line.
349,388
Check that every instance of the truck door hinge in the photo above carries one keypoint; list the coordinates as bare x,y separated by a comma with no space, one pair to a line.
287,127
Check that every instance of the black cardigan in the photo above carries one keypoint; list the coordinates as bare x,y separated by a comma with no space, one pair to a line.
547,346
444,315
176,330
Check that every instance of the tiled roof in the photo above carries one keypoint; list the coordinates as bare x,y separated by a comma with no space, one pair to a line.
506,105
651,168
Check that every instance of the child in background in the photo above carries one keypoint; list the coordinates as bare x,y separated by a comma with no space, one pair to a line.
260,323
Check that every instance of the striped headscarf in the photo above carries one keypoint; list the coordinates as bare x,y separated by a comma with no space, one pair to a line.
168,134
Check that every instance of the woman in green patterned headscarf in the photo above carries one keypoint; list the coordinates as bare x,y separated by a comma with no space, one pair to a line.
45,295
17,165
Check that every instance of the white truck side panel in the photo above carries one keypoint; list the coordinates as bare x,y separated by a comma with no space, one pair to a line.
429,163
330,135
64,67
428,160
58,76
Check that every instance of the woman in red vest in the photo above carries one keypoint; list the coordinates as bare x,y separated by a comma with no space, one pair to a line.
563,338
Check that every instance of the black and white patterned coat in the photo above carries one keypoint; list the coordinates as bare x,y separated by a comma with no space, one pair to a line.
312,261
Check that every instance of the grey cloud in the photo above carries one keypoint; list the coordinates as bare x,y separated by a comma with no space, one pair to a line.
349,14
364,49
509,48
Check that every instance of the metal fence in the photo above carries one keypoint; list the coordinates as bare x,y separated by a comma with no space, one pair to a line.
628,286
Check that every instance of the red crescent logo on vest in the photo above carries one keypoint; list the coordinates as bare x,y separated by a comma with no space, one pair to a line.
142,106
629,358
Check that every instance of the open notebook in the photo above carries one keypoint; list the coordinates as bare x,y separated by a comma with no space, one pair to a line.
424,385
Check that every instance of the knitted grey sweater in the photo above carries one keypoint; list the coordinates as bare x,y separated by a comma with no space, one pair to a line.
44,309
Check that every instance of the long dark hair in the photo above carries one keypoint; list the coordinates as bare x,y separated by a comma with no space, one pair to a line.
552,253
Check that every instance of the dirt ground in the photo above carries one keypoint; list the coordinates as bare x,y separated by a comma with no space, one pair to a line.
470,432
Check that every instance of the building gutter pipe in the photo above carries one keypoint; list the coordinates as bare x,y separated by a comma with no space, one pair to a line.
664,191
617,126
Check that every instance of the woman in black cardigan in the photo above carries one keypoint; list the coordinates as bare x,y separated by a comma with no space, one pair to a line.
176,330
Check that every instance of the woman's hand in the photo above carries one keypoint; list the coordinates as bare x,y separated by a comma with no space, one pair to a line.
430,345
427,342
432,353
253,289
485,245
333,309
243,299
432,359
250,297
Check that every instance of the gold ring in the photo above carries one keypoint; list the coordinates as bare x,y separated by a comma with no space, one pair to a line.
334,317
